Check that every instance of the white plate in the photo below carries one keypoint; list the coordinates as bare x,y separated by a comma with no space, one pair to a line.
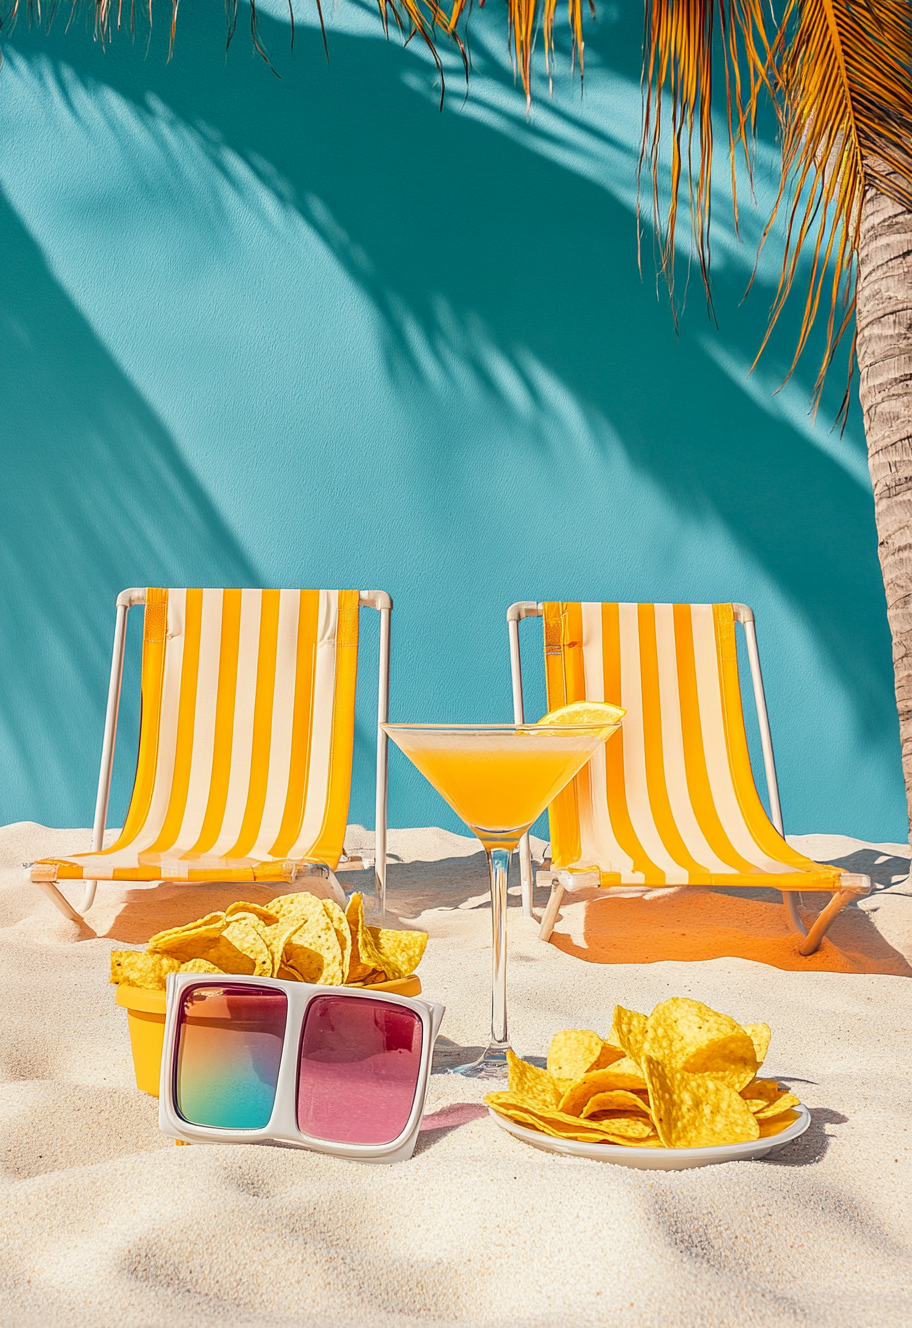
659,1159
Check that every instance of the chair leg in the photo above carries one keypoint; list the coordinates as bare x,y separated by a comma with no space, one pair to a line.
60,901
551,912
821,923
791,901
338,893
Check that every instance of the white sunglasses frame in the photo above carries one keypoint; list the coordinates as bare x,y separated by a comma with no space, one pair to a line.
282,1126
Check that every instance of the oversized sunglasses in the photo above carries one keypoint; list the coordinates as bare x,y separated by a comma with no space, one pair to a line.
337,1070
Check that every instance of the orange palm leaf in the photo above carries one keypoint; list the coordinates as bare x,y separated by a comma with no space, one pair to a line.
411,17
844,73
684,41
524,17
840,74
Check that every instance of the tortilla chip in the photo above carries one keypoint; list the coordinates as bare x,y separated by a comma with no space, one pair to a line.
611,1038
198,966
235,943
275,937
627,1074
190,941
399,951
248,937
293,907
271,931
683,1078
576,1051
256,910
777,1124
628,1030
759,1093
554,1123
687,1035
305,909
148,971
760,1035
364,953
241,948
615,1099
696,1110
312,949
625,1127
529,1084
339,923
300,962
297,937
783,1100
599,1081
732,1060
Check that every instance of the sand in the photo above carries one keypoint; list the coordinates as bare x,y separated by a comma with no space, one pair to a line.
104,1221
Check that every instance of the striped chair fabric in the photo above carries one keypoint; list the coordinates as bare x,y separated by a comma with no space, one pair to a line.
246,737
670,799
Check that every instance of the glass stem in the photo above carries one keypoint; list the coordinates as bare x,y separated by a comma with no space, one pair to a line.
499,868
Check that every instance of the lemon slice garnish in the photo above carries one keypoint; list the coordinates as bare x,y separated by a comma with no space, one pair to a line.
586,712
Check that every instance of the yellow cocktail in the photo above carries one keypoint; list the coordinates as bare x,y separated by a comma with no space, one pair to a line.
499,778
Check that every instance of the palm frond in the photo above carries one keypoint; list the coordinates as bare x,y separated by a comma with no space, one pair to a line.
683,42
410,17
839,73
844,72
524,19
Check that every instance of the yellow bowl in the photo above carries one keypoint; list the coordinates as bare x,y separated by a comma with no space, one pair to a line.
146,1022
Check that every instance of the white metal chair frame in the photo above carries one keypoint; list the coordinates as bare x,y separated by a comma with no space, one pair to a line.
854,885
128,599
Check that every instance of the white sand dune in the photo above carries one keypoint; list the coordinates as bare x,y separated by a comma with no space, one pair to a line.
104,1221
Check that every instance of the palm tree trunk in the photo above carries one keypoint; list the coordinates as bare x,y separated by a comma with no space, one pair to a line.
884,331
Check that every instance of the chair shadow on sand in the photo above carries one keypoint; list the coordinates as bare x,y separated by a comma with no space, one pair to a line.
450,883
149,909
693,924
600,927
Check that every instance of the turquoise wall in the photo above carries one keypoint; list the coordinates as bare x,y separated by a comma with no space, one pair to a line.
308,330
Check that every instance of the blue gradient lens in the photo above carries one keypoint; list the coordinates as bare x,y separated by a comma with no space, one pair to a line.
228,1053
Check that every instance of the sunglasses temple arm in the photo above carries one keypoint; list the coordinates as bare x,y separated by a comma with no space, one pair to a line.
435,1014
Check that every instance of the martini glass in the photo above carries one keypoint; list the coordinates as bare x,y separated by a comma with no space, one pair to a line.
499,778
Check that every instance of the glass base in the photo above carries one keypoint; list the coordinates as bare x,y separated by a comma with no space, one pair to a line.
492,1064
492,839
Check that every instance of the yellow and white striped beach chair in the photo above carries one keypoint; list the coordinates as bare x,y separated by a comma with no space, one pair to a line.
245,746
670,800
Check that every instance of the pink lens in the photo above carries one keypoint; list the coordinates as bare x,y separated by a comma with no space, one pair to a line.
358,1071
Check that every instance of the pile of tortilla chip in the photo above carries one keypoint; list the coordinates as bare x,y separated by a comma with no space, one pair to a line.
685,1077
299,938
